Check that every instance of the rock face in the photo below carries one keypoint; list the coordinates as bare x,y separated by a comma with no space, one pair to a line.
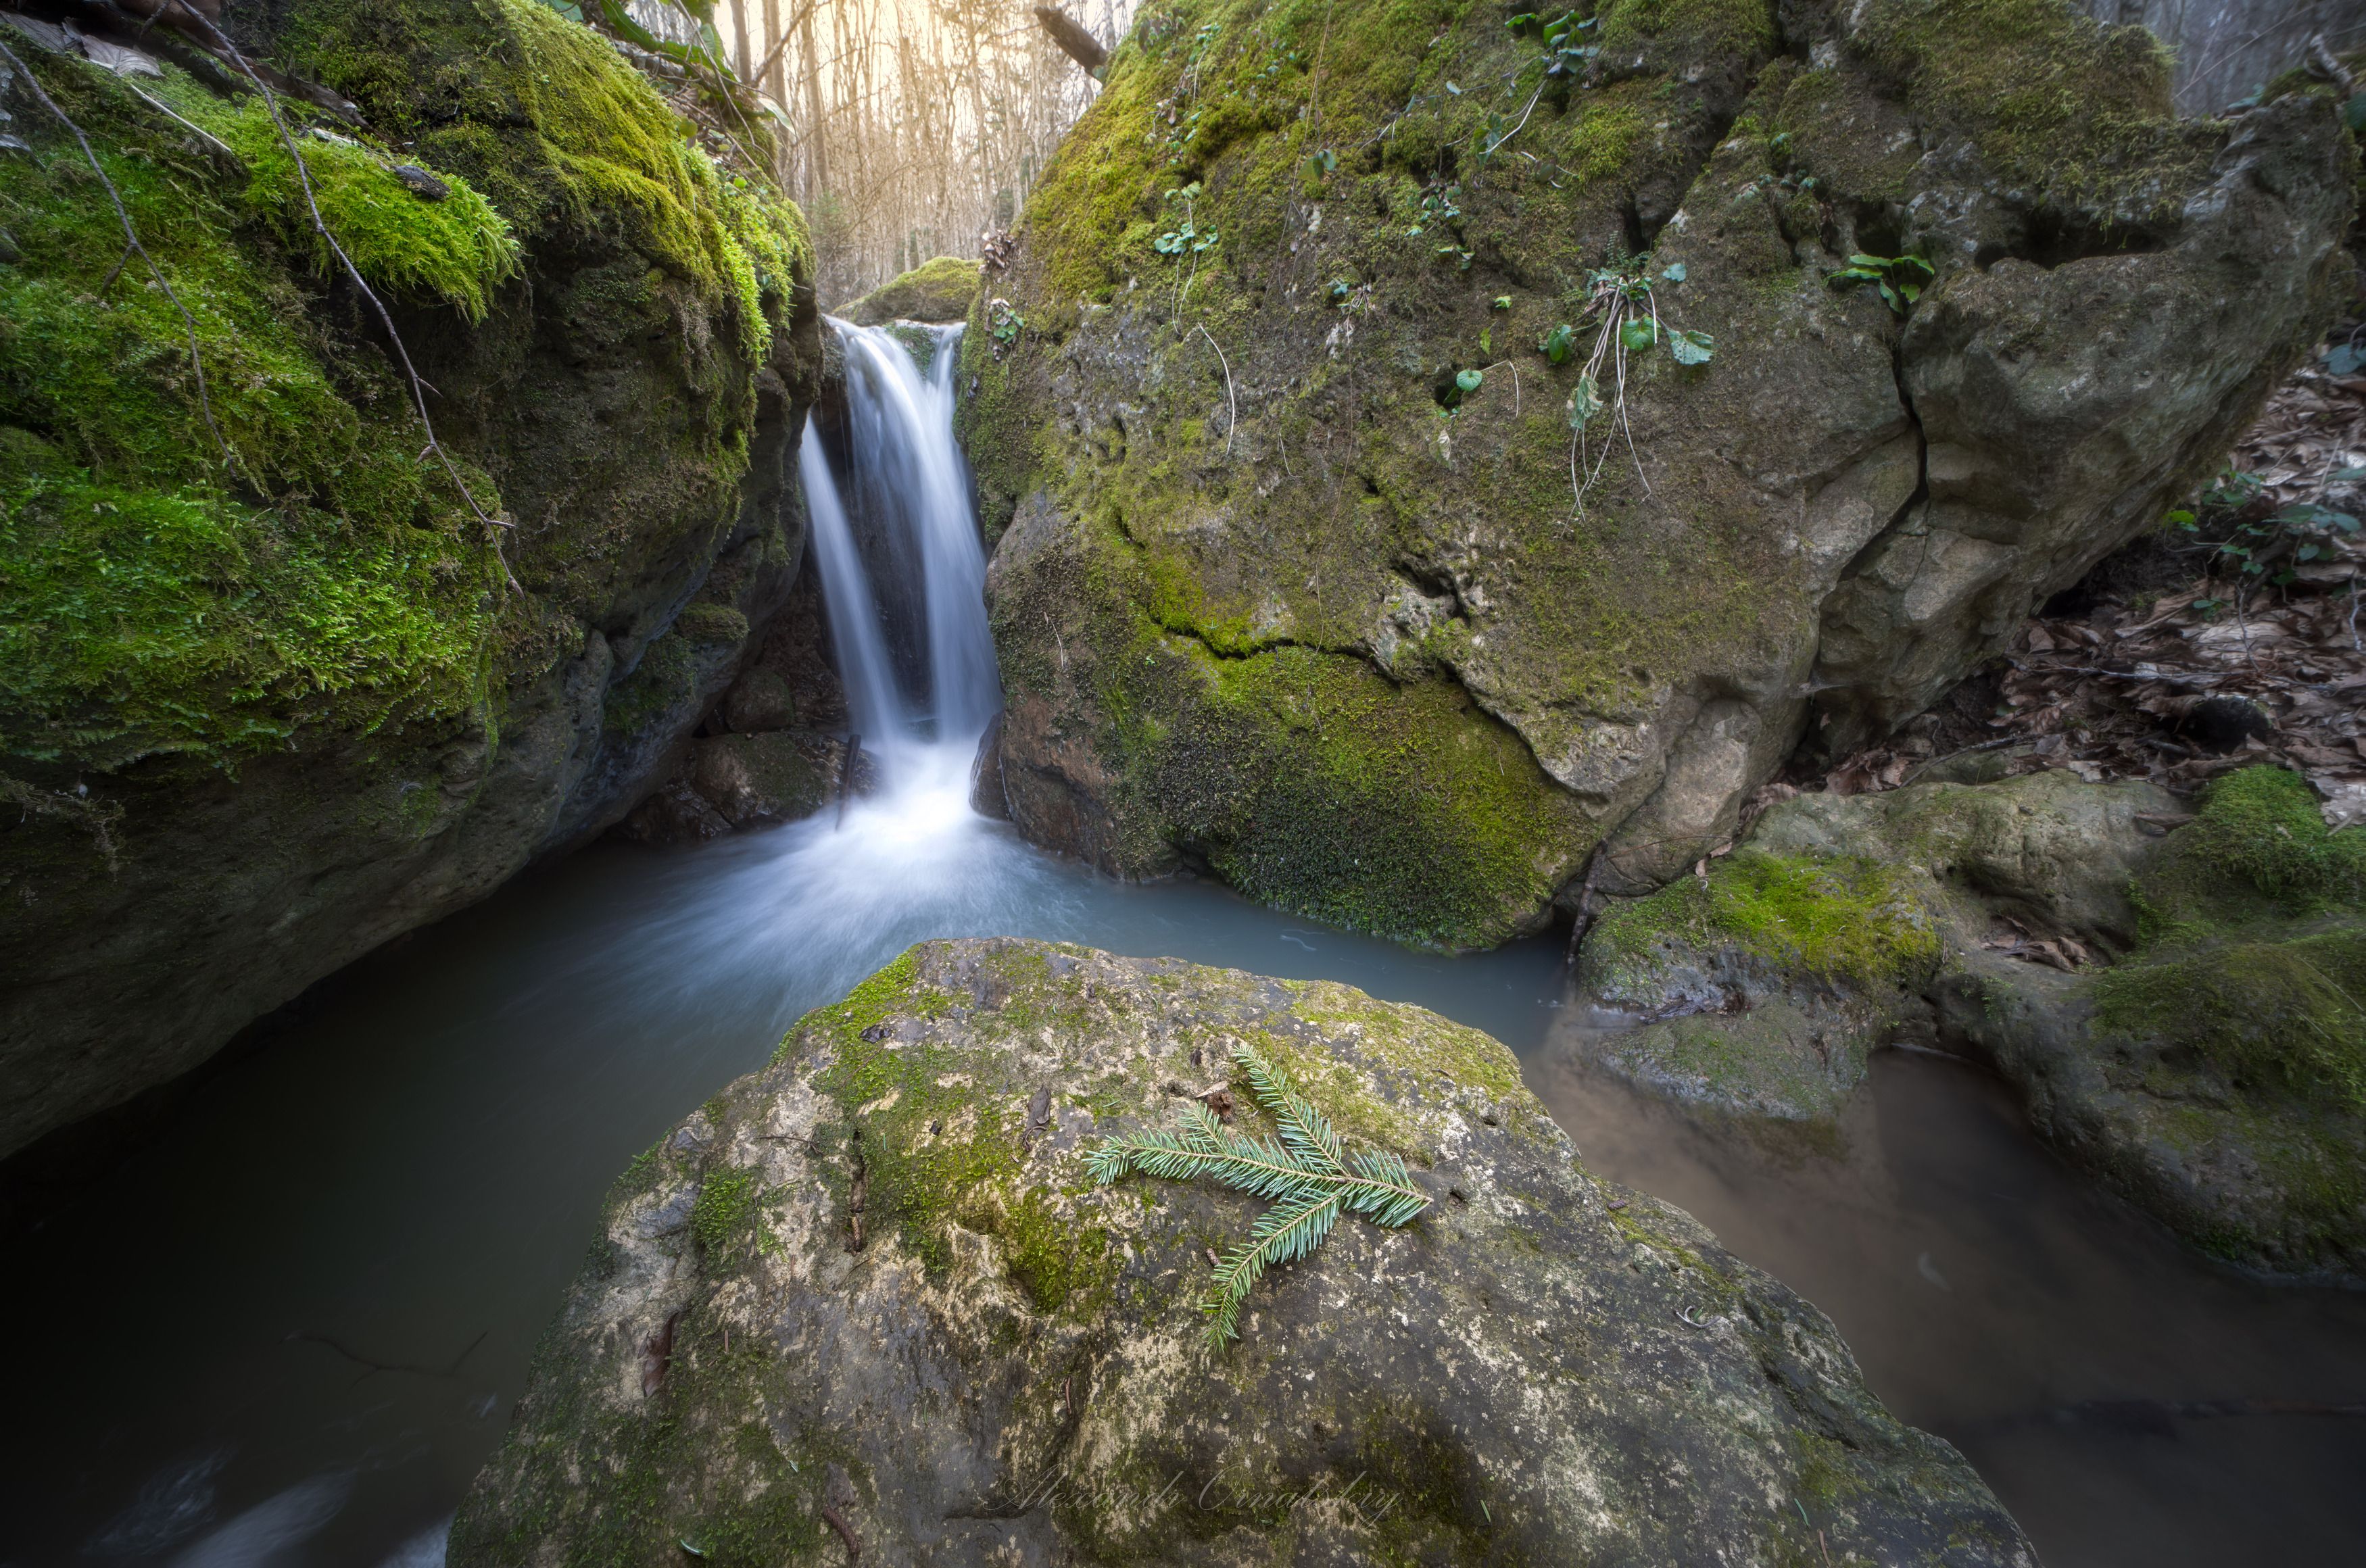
262,712
2175,996
938,290
772,750
869,1294
1273,415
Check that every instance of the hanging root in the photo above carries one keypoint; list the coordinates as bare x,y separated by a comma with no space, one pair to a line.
1231,406
132,246
419,388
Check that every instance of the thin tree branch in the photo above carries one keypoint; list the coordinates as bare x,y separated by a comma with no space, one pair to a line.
386,318
205,402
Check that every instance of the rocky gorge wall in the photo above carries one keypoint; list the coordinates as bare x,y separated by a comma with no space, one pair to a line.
271,691
1327,561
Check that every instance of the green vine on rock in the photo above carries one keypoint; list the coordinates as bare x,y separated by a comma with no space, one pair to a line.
1309,1174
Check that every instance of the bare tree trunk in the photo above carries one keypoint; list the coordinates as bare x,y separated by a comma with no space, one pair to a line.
2226,49
771,87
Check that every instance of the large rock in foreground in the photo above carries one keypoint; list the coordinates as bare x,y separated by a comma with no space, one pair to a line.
1276,399
871,1290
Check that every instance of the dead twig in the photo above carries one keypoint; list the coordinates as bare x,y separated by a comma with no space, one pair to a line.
132,236
231,52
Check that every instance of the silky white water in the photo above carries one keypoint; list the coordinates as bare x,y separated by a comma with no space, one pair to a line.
911,487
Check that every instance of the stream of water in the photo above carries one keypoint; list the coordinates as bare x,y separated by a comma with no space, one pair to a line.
288,1330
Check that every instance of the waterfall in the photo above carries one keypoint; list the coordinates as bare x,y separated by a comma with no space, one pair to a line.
907,489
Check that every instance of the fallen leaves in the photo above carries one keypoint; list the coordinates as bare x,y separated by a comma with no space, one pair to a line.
2253,658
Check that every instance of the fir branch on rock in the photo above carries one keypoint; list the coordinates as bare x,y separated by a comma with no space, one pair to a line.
1308,1174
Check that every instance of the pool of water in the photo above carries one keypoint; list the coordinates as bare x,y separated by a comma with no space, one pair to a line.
288,1330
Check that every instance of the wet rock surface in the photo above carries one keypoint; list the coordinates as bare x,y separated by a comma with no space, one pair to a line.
869,1294
2165,983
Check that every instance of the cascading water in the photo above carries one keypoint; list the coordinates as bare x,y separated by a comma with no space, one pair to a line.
911,485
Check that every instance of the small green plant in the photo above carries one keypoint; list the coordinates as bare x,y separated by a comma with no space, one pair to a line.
1002,323
1900,279
1619,300
2268,549
1309,1175
1185,241
1567,52
1318,164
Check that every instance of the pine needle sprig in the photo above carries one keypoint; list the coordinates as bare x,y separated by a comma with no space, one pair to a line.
1308,1175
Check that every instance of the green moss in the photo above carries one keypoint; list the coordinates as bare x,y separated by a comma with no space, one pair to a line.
2081,111
546,120
940,1148
456,250
1689,30
2288,1015
1312,783
712,623
161,589
1844,920
2258,833
150,598
726,1204
937,290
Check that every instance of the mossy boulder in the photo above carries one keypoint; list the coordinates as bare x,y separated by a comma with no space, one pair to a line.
2179,1005
1272,413
276,683
2216,1073
938,290
873,1289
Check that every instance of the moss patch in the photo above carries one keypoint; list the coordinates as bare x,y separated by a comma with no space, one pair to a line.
937,290
1838,920
164,590
2283,1015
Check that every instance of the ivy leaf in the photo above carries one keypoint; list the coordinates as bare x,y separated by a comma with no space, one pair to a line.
1691,347
1585,403
1467,380
1554,345
1674,272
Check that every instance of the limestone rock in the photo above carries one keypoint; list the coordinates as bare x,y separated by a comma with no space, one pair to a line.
899,1308
937,290
2175,1003
1294,582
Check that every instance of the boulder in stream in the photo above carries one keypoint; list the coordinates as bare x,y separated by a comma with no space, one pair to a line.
871,1295
2175,992
1426,444
278,686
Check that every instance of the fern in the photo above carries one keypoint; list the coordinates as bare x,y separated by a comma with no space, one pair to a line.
1309,1176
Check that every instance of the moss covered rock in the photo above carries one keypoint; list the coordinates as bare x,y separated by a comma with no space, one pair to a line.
276,683
2181,1012
1304,575
938,290
2217,1074
871,1292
